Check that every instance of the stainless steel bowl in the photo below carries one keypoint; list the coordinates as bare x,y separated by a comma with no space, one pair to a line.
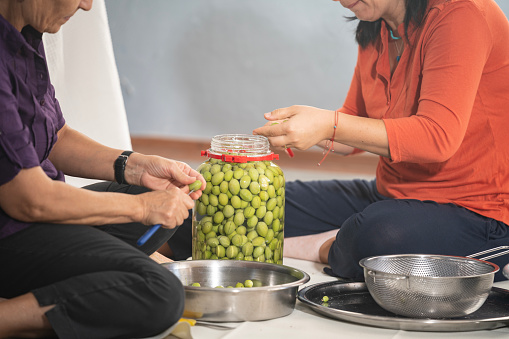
275,298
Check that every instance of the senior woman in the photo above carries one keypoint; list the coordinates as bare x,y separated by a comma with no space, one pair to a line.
430,96
61,275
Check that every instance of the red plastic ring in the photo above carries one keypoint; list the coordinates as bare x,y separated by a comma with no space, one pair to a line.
240,158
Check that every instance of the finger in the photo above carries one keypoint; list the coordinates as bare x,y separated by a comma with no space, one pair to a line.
270,130
279,141
196,195
278,114
188,202
181,177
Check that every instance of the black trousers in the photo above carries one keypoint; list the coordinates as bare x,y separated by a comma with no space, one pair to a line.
102,284
370,224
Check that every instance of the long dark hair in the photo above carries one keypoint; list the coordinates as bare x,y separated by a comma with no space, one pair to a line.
367,32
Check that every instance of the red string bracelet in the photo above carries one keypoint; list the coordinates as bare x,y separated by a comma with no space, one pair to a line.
330,143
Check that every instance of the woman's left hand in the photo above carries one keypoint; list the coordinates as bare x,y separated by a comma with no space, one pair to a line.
299,127
158,173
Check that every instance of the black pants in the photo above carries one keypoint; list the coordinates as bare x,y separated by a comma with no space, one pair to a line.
370,224
101,283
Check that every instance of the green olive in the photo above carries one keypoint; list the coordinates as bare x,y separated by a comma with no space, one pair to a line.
239,219
246,195
262,229
247,249
245,181
195,185
258,251
234,186
251,235
206,227
235,202
232,251
229,227
222,199
212,242
254,174
258,241
256,202
237,240
254,188
214,200
224,241
228,211
215,169
217,178
228,175
223,186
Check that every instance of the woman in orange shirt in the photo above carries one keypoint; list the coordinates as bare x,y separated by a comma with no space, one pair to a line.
429,95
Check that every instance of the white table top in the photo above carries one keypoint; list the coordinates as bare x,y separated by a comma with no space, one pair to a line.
304,323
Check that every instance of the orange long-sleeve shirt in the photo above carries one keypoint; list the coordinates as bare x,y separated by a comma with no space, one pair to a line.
445,108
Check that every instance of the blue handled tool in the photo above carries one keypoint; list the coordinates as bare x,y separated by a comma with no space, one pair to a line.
143,239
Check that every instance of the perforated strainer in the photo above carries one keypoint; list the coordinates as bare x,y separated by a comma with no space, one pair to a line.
430,286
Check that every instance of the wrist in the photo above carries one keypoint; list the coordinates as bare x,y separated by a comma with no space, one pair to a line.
133,169
120,165
329,140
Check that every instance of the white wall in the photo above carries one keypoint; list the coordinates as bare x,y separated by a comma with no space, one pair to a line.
198,68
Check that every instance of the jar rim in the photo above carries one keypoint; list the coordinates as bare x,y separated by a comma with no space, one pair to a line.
247,144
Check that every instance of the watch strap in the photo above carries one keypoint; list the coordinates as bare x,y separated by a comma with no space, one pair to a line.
119,166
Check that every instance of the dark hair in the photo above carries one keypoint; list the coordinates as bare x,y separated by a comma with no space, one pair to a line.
367,32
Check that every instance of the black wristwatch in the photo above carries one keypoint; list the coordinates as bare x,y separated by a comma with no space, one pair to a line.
119,166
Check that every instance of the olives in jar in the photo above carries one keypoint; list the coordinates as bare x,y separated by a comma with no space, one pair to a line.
240,215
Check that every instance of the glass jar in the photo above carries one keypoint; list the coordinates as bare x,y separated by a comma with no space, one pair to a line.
240,215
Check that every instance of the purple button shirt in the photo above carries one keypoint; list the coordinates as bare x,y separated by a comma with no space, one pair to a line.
30,115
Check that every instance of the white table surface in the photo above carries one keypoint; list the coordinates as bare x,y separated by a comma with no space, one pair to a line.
304,323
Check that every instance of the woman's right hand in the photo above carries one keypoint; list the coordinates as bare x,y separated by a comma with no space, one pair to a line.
303,127
169,207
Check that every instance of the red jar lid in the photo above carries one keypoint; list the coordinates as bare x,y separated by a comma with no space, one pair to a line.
240,158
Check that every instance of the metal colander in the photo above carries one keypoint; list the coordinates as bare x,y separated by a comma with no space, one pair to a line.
430,286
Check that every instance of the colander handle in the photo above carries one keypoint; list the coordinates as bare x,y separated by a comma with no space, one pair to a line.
375,274
500,248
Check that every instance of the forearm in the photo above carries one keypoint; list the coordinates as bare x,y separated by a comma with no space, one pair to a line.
363,133
309,126
339,148
33,197
77,155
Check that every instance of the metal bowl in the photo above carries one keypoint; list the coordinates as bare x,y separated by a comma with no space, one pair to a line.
275,298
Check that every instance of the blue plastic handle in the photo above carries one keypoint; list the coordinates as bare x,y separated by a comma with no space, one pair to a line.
143,239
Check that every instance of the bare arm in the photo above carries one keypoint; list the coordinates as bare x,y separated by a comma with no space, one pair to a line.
76,154
33,197
308,126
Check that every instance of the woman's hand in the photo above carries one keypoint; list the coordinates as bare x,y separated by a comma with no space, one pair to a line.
299,127
158,173
169,207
